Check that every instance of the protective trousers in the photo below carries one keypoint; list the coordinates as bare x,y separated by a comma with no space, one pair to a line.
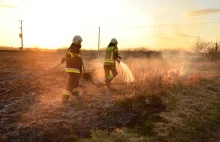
110,73
71,86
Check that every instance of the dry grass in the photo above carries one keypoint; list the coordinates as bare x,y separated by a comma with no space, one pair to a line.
192,114
184,112
171,99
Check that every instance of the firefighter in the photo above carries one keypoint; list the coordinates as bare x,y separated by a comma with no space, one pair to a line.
111,55
73,68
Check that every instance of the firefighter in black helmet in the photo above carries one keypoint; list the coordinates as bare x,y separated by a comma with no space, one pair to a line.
111,55
73,68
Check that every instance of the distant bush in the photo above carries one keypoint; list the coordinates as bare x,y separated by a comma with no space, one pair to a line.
8,48
124,53
38,50
213,51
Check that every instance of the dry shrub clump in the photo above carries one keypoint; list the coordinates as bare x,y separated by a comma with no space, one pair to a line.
193,79
144,98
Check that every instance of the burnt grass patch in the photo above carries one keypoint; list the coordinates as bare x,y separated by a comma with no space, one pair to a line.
146,109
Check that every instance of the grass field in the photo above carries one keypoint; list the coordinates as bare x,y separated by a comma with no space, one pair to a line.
174,97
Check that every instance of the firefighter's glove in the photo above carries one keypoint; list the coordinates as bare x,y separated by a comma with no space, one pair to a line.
63,60
68,56
118,61
119,57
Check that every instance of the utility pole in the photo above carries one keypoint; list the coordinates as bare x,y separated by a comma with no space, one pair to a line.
216,45
98,41
21,36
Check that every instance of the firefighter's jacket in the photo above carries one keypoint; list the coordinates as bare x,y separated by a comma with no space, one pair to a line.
73,59
111,55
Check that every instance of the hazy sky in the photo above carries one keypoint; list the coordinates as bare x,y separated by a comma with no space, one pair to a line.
53,23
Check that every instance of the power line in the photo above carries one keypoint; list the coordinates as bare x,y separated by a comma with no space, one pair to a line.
171,25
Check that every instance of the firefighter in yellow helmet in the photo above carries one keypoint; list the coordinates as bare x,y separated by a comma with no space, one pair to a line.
111,55
73,68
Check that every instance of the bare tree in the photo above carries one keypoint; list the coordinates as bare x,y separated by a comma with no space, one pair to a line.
199,45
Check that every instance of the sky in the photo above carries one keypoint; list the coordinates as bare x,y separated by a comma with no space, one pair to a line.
134,23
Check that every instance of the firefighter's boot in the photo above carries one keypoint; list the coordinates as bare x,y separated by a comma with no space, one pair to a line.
107,81
65,98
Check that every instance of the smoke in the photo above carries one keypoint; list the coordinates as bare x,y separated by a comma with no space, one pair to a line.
172,64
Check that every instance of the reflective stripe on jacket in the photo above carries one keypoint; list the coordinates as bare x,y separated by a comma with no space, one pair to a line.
72,70
110,55
74,60
71,55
